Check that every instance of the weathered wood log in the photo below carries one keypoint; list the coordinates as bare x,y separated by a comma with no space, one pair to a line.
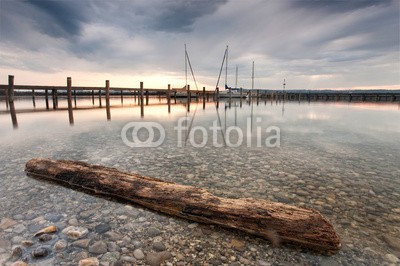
273,221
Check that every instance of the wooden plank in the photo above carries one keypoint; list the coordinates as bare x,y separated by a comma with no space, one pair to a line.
282,222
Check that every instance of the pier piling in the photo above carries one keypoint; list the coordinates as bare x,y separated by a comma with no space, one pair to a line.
10,95
141,100
108,100
69,97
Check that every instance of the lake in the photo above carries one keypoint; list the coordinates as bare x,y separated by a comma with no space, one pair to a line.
340,158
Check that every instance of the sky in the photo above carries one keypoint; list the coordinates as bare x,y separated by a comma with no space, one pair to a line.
313,44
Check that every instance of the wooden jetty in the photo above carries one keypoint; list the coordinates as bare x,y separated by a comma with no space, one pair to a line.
142,94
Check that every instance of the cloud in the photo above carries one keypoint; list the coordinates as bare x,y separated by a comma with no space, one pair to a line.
338,6
60,18
179,15
347,42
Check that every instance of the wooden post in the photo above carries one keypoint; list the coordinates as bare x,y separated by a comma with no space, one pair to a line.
11,101
56,98
100,98
241,97
69,96
175,97
258,96
217,97
122,96
147,97
53,94
188,98
169,98
75,98
92,97
33,98
46,92
204,98
108,100
141,100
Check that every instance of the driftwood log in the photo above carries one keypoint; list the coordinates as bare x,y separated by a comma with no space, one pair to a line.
288,224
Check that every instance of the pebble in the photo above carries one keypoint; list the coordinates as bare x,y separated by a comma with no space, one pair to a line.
238,245
155,259
17,252
27,243
393,243
7,223
152,231
60,245
19,263
98,247
73,232
193,225
19,228
138,254
47,230
158,246
89,262
40,252
113,236
391,258
102,228
81,255
110,257
81,243
45,238
128,259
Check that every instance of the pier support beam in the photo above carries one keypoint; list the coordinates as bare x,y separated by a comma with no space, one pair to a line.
108,100
204,98
169,98
33,98
46,93
10,96
69,97
141,100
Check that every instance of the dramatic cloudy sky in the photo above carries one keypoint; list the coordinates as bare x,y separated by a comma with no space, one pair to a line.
311,43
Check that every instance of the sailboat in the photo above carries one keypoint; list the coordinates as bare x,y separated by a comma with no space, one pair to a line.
229,92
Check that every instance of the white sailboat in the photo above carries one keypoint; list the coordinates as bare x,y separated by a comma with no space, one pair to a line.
229,92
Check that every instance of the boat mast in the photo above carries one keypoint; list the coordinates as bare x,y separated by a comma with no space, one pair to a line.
186,68
236,77
252,78
284,84
226,68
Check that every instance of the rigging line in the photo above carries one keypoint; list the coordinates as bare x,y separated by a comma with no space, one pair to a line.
195,111
191,69
191,124
220,71
220,124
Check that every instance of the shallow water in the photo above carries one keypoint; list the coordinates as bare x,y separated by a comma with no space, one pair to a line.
339,158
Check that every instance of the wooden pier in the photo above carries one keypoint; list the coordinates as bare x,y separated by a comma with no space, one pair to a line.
142,95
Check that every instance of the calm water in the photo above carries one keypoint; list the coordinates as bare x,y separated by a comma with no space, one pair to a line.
342,159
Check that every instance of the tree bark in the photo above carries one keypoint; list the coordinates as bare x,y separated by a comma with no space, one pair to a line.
271,220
